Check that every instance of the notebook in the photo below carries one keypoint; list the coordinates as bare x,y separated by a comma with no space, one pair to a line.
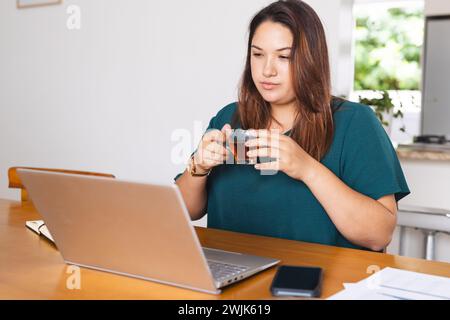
40,228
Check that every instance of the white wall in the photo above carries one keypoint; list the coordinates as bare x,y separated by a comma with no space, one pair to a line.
429,182
109,96
437,7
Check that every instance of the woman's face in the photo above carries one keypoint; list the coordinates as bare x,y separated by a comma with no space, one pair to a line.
270,63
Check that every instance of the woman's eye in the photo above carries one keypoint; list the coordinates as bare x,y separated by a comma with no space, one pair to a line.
285,57
257,54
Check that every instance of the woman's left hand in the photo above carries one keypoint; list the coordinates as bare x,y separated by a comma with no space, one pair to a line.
289,157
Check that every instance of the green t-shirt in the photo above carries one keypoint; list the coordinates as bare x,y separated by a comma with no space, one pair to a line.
240,199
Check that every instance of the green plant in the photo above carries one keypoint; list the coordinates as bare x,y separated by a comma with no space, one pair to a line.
388,47
384,106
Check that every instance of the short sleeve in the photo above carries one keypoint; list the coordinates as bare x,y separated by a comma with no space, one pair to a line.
369,163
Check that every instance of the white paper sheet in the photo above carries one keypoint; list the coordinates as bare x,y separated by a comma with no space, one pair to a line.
395,284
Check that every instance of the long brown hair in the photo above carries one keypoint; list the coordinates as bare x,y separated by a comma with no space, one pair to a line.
310,70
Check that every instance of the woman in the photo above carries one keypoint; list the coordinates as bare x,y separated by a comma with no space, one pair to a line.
338,178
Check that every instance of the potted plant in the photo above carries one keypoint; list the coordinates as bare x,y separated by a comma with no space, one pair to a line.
384,110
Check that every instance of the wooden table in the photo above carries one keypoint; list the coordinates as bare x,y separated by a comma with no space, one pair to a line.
32,268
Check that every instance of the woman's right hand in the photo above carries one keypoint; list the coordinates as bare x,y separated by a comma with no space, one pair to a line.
211,151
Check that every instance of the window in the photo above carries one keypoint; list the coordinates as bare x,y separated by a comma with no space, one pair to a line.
388,40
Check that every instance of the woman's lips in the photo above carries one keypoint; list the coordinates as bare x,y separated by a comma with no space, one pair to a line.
269,85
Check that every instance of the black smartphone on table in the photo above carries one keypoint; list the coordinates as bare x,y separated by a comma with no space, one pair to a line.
296,281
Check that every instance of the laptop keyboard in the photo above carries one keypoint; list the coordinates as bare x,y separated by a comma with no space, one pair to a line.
222,271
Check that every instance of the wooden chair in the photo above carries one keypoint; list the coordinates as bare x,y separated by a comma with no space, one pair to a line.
15,183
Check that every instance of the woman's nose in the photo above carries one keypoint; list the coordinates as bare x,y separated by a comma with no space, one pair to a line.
269,69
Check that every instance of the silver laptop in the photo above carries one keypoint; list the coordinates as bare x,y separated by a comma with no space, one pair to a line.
134,229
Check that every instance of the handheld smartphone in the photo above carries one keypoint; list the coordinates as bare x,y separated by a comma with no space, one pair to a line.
297,281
